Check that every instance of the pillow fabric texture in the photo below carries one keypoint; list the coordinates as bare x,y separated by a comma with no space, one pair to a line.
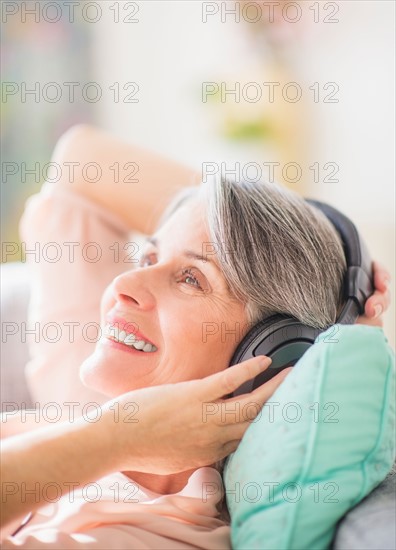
323,441
371,524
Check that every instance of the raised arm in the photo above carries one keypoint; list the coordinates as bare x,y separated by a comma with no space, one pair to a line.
135,184
140,203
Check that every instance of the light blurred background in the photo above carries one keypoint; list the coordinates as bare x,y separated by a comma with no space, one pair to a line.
161,53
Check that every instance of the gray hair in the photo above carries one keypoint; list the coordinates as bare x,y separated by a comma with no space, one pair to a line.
277,253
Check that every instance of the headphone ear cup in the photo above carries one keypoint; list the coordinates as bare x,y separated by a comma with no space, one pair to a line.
257,332
283,339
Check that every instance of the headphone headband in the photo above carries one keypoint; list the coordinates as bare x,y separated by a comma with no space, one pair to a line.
358,278
286,339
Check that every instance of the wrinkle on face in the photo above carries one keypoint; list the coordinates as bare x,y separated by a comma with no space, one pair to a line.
171,312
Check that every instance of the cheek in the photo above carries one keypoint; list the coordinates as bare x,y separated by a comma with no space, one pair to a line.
191,349
209,342
221,338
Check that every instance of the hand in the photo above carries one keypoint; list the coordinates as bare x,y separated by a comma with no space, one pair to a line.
177,427
379,301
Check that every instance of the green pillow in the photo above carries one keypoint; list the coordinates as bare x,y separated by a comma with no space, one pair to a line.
323,441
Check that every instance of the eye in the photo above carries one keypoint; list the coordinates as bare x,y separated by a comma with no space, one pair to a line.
187,274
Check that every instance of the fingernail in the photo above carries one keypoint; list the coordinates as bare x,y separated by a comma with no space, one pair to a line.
377,311
265,361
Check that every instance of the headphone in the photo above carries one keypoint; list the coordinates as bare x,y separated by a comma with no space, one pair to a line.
285,339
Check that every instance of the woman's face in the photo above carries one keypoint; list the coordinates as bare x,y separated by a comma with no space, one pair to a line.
175,301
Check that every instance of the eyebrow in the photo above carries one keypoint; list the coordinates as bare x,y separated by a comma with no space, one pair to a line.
187,253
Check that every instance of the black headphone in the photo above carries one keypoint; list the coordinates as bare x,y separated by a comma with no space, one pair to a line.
285,339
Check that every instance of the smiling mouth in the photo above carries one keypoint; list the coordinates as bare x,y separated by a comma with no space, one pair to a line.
130,340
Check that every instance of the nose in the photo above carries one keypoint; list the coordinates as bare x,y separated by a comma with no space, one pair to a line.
132,289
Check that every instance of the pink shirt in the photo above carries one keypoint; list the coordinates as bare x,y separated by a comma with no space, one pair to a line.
79,249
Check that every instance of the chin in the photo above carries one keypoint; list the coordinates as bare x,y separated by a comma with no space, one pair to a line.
93,376
109,378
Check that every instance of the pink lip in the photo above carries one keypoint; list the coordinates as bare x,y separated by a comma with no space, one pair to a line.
128,326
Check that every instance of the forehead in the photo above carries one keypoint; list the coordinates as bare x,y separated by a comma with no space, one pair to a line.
187,226
187,231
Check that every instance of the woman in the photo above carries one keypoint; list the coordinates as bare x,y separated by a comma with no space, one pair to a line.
202,270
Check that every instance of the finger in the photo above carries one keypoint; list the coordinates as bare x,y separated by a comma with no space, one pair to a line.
222,383
249,405
381,277
235,432
377,303
266,391
236,426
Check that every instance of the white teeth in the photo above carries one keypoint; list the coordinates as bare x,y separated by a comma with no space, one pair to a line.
128,339
147,347
112,331
139,344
